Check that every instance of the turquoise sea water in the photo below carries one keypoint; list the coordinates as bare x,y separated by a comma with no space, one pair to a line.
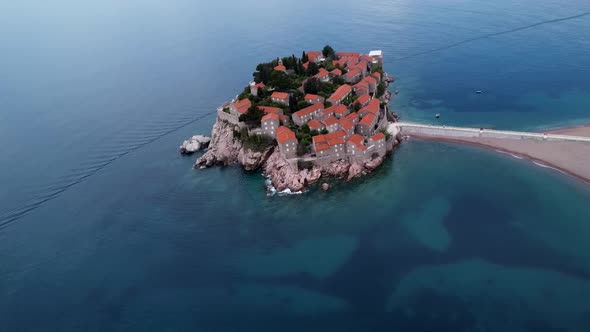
106,227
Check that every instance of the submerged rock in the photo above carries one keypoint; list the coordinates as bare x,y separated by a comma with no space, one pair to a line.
194,144
325,186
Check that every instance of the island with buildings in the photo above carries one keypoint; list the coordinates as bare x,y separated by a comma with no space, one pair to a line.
322,115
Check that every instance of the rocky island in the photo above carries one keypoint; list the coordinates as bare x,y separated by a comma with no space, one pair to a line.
299,120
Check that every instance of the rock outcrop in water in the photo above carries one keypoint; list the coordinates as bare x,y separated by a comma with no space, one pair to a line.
225,149
194,144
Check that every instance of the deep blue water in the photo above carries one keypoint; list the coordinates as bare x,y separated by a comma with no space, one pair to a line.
106,227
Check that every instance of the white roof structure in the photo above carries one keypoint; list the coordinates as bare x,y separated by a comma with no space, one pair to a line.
376,53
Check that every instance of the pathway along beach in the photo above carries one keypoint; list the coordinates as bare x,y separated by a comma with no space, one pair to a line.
572,158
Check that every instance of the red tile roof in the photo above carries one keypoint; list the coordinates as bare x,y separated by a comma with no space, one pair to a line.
305,65
260,85
312,55
280,68
328,111
352,73
351,117
363,99
311,96
279,95
366,58
321,146
309,109
370,80
336,72
337,109
318,139
330,121
357,140
285,134
282,117
268,109
271,116
243,105
342,91
378,136
348,54
334,135
373,106
377,75
368,119
339,63
314,124
346,124
322,73
335,141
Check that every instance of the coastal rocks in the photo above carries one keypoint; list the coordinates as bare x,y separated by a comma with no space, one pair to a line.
355,170
286,176
337,169
373,164
253,160
223,148
194,144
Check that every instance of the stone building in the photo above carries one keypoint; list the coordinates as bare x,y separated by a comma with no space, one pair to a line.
287,142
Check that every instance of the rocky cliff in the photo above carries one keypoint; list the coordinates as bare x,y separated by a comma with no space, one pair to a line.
225,149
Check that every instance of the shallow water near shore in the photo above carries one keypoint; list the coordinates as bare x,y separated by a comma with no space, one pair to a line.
107,227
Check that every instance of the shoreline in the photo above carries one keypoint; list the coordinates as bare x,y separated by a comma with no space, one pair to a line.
534,155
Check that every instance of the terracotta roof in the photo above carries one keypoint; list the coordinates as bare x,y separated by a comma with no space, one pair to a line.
337,109
370,80
260,85
280,68
378,136
314,124
339,63
373,106
342,91
285,134
322,73
346,124
328,111
363,99
330,121
282,117
309,110
357,140
305,65
336,72
243,105
311,96
366,58
318,139
339,140
334,135
377,75
321,146
279,95
368,119
270,116
351,117
268,109
312,55
348,54
353,73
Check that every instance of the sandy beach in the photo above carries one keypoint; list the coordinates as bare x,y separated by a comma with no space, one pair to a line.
572,158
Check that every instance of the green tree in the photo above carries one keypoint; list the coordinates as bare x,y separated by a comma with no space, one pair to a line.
328,52
312,85
324,131
312,68
253,115
304,57
381,89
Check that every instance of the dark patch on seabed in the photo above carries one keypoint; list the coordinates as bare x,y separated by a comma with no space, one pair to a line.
492,238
